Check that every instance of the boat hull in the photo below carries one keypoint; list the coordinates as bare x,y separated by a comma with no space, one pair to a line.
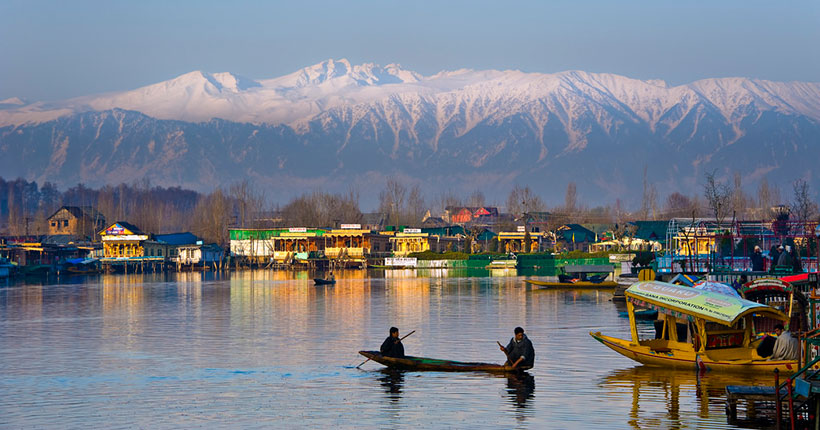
433,364
605,285
320,281
689,359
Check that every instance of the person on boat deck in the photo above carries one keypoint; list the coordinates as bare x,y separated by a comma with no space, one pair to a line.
757,260
392,346
520,350
785,258
774,254
786,347
331,277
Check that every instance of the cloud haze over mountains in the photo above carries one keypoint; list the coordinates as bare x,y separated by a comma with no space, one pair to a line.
334,124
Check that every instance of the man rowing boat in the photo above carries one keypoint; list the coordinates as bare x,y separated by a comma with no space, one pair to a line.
520,351
392,346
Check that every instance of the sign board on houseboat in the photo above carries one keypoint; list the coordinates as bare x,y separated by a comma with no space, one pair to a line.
351,226
401,262
297,230
521,228
412,230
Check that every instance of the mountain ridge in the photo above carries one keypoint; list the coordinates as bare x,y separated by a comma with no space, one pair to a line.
335,122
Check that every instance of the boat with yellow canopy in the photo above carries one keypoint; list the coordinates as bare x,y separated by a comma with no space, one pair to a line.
717,331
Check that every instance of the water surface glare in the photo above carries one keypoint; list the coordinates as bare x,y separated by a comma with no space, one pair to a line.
261,349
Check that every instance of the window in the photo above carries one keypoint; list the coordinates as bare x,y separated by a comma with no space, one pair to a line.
54,223
65,223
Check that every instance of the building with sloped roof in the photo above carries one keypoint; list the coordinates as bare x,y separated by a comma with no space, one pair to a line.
76,221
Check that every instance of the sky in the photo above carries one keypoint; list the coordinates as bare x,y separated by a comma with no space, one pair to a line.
51,50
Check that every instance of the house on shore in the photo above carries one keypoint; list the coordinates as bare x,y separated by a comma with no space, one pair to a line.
82,221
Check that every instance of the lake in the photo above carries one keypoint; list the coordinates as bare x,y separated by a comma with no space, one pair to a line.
265,349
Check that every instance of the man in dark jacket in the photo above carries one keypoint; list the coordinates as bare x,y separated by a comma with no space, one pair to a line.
520,351
392,346
757,260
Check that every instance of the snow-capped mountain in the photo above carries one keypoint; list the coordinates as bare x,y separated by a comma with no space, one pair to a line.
335,123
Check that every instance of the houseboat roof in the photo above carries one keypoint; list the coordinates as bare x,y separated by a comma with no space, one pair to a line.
685,301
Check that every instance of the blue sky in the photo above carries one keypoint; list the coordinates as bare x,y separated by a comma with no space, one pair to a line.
57,49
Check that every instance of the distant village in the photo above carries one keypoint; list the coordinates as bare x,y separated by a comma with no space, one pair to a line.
79,238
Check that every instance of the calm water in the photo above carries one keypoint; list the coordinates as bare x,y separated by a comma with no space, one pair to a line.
269,349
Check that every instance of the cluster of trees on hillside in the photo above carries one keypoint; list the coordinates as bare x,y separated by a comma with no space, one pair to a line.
25,206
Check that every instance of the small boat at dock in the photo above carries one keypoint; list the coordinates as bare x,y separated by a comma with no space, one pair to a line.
434,364
603,285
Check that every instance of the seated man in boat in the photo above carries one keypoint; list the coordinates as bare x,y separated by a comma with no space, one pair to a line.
392,346
331,277
520,351
786,347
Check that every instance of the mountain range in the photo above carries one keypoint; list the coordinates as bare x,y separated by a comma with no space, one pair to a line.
334,124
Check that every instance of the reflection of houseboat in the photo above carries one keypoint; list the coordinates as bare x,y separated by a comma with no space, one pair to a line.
719,330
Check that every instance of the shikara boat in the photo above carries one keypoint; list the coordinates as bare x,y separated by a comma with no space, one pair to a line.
578,284
780,295
434,364
720,330
321,281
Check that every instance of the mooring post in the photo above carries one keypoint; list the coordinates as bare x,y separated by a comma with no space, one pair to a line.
791,402
778,406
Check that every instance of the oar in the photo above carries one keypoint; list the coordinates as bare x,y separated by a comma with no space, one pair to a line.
505,352
363,362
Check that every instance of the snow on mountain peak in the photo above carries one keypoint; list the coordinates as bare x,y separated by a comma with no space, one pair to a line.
337,84
13,101
342,72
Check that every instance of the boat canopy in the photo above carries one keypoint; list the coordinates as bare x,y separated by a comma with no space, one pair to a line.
688,302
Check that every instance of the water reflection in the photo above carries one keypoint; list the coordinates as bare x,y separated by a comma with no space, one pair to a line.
687,396
521,388
393,381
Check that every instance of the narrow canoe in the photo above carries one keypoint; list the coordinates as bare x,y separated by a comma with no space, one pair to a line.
580,284
422,363
320,281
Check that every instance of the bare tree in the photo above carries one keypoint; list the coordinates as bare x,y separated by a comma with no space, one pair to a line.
476,199
764,199
718,197
678,205
415,207
392,200
739,199
803,206
211,216
524,200
649,201
571,198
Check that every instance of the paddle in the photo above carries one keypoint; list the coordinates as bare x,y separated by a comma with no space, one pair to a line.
505,352
402,338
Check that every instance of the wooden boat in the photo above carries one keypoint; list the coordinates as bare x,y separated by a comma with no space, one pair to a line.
578,284
643,314
780,295
434,364
83,270
321,281
721,328
502,264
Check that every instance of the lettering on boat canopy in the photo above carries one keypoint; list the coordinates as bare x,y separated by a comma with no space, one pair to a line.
769,284
694,303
